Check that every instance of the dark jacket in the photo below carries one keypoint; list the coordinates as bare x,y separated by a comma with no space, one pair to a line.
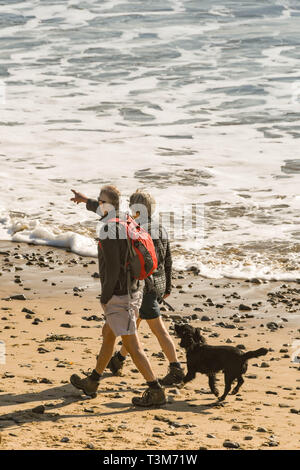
161,280
112,257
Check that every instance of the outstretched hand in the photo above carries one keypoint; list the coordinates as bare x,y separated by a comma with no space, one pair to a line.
78,197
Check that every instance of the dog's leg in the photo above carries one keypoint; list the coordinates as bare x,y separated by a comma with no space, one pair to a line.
228,382
212,384
239,384
191,374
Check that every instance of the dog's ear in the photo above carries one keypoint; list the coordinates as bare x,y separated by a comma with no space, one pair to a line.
198,337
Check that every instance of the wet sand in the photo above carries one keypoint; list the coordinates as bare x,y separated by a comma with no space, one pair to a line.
60,334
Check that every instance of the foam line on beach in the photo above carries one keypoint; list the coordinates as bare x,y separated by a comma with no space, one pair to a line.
207,262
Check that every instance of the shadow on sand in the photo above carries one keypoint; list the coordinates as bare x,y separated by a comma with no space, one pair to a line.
69,395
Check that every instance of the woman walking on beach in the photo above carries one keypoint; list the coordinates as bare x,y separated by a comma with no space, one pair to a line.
157,288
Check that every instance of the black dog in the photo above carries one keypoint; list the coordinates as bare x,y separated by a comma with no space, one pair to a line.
208,359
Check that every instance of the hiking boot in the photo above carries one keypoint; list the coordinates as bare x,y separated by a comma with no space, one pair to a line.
174,376
151,397
115,365
87,385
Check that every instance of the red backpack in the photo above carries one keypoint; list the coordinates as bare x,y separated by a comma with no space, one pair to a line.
141,256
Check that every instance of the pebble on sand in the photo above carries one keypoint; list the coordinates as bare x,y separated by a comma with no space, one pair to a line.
244,308
231,444
39,409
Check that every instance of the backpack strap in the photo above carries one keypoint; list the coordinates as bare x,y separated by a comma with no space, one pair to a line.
129,253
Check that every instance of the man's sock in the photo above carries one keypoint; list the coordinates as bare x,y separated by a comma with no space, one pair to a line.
175,364
155,384
119,355
95,376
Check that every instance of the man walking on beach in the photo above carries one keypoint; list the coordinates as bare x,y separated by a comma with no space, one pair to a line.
156,288
120,308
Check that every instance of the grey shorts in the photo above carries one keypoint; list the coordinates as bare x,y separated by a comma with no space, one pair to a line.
121,312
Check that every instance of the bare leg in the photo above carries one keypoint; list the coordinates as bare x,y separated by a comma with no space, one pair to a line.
123,350
133,346
159,330
106,350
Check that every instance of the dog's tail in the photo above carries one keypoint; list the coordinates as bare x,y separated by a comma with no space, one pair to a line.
256,353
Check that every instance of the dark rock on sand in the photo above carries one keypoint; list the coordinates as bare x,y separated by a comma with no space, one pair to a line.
42,350
59,338
231,445
205,318
244,308
226,325
272,443
195,316
45,381
92,318
7,375
260,429
176,317
89,410
18,297
26,310
39,409
255,281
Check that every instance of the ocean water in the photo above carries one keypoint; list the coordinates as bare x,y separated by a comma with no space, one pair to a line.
196,101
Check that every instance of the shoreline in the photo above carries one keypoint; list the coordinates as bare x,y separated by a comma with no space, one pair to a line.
60,289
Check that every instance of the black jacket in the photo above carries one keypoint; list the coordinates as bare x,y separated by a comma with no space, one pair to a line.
112,257
161,279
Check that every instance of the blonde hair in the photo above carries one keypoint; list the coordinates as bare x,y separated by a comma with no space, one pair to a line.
113,195
143,198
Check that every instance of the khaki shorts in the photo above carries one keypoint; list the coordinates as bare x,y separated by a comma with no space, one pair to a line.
121,312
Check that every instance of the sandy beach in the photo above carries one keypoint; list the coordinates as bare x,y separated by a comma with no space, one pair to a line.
53,329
